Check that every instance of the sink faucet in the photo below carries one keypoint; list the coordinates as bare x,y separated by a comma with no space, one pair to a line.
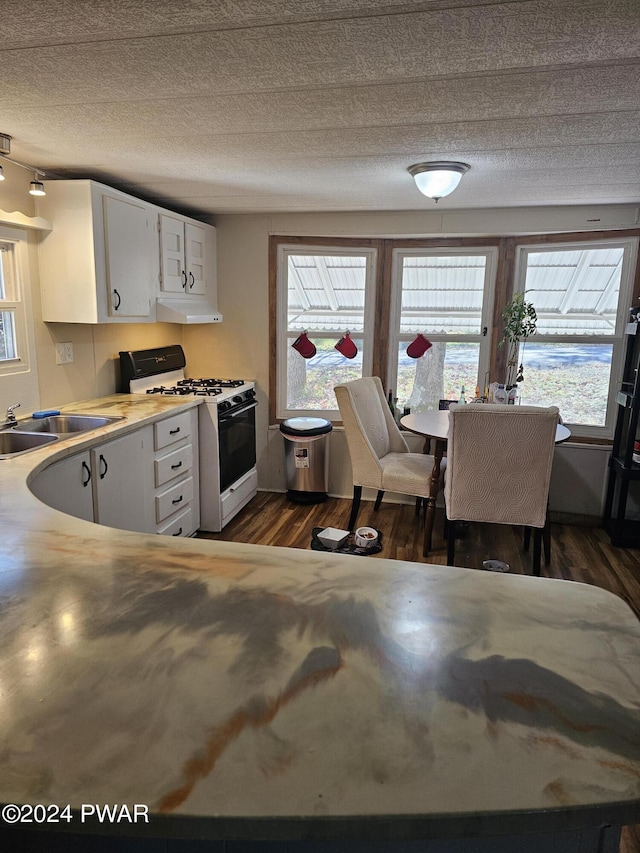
11,419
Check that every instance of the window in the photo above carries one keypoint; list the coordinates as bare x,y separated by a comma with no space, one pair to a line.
14,350
446,295
326,292
582,294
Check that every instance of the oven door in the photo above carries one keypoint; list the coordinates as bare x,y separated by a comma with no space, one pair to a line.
237,442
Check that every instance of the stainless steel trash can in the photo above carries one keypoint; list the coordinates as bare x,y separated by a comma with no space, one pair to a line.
306,456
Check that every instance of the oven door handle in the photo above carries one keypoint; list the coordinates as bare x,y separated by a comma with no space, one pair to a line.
227,417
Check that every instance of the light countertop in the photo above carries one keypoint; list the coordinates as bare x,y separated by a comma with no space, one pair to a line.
226,685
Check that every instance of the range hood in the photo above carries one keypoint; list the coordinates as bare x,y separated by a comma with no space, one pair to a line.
185,311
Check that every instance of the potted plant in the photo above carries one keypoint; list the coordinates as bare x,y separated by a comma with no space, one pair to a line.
520,320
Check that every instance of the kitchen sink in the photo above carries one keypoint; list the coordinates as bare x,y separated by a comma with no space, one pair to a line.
64,424
12,443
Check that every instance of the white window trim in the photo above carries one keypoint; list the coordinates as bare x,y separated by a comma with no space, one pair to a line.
486,322
617,340
20,304
284,337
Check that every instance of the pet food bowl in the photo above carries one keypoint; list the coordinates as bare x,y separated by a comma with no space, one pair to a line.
332,537
365,537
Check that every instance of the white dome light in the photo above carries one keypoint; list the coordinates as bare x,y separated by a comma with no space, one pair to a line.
439,178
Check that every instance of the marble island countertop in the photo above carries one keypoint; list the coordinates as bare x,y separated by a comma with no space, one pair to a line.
272,692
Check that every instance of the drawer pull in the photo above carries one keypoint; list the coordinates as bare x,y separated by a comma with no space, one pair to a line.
179,533
177,500
174,431
177,465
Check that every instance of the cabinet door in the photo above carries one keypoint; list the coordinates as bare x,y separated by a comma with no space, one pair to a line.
195,244
128,267
66,485
174,273
123,477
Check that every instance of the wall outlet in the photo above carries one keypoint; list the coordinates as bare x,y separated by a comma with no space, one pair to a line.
64,353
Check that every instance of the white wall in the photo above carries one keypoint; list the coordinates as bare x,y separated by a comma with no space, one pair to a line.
240,346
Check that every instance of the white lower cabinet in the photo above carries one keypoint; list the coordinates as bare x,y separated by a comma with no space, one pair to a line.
176,477
67,485
123,481
146,480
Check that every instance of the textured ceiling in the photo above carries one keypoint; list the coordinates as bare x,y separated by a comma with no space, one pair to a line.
321,105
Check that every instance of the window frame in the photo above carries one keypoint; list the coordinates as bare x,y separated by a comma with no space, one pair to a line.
483,337
617,341
18,303
284,337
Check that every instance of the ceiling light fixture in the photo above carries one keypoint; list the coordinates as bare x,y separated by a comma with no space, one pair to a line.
36,187
438,178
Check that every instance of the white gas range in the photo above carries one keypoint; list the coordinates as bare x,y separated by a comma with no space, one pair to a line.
226,427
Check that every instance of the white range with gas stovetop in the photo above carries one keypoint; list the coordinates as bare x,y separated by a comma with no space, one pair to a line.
226,427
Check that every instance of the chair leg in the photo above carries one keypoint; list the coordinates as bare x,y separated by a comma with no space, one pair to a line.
451,542
379,497
355,506
546,540
537,548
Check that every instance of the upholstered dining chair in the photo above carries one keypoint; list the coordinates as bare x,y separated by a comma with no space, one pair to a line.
498,468
380,457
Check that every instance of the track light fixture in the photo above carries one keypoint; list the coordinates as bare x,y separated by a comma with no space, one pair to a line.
438,178
36,187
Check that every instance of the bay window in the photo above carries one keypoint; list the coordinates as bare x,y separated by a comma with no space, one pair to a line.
323,292
582,293
447,296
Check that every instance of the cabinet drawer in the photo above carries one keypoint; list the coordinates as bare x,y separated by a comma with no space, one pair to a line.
173,464
181,525
238,495
172,429
174,498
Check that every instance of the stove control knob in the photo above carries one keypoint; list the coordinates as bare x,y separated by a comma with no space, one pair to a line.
250,394
237,399
222,407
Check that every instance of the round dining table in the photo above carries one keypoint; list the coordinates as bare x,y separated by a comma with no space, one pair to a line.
434,425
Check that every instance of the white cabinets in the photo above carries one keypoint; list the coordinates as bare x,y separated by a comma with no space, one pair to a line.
112,258
183,256
176,479
146,480
122,481
67,486
99,263
110,483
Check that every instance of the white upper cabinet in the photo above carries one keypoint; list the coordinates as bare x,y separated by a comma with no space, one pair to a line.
183,256
99,264
113,258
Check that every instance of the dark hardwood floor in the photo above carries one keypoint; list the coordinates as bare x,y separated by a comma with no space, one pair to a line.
582,554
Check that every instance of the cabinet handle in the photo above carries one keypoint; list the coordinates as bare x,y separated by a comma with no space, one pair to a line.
174,431
184,279
103,472
117,305
178,465
178,500
179,533
86,469
192,280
